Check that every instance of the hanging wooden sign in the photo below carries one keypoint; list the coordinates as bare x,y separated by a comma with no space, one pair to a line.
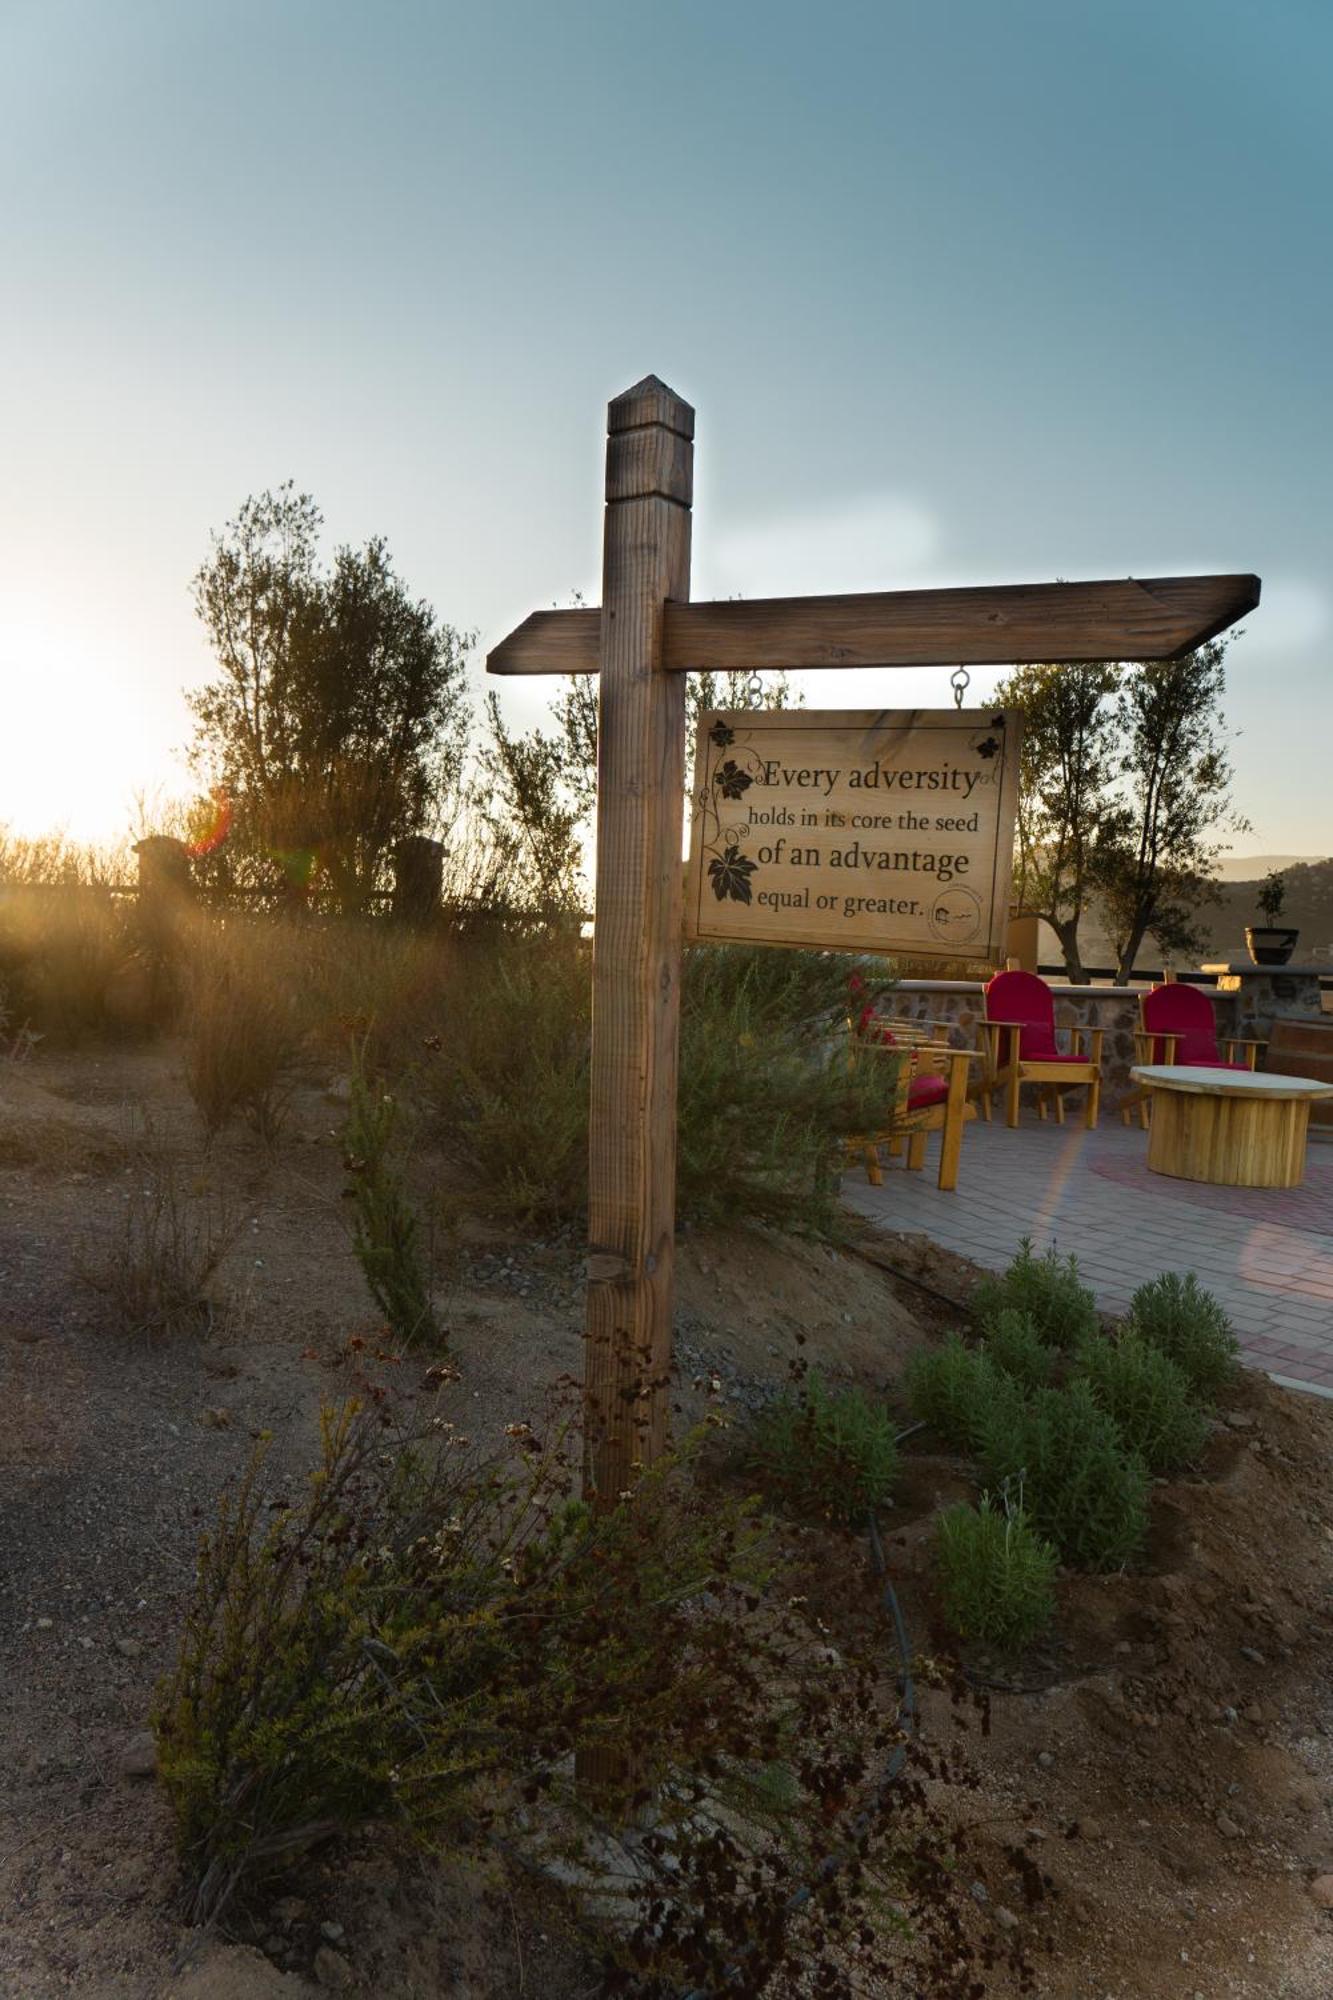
866,830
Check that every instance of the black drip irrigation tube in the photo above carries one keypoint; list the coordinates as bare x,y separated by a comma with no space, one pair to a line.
908,1717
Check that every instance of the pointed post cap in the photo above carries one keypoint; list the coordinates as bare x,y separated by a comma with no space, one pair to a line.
650,402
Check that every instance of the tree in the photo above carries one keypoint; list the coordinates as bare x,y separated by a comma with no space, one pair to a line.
338,722
1066,807
1175,777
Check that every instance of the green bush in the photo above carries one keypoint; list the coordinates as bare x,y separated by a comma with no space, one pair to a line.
766,1099
386,1231
1013,1343
1084,1490
957,1390
1149,1398
1176,1315
825,1452
996,1574
428,1644
1048,1289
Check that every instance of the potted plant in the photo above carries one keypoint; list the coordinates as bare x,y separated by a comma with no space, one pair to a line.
1271,943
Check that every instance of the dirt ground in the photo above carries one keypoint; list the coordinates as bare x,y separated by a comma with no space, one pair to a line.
1166,1760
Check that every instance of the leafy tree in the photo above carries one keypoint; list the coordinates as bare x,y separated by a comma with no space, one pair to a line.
1066,806
337,723
1159,864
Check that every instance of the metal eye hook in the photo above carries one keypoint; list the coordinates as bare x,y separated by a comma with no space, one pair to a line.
959,680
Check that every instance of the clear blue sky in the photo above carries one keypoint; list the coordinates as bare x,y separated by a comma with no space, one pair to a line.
962,293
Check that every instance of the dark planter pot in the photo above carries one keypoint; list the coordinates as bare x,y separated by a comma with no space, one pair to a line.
1269,944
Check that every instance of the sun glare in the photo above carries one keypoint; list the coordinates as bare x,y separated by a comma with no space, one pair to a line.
81,737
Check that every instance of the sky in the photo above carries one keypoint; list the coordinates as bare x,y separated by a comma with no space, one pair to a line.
961,294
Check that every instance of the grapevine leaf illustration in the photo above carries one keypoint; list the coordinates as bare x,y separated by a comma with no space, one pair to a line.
729,873
997,721
721,735
988,748
731,781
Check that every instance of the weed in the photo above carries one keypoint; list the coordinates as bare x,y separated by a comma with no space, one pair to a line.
387,1233
1085,1491
832,1453
1176,1315
997,1575
427,1643
957,1390
153,1277
1013,1343
244,1030
1048,1290
1148,1396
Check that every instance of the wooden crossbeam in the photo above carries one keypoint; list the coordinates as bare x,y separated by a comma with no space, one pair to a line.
1125,618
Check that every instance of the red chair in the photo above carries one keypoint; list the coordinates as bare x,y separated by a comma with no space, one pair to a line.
1021,1046
1177,1026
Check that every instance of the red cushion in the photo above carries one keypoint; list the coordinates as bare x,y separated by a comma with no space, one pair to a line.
1022,997
923,1091
1175,1009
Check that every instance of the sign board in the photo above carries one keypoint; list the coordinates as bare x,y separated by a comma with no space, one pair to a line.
866,830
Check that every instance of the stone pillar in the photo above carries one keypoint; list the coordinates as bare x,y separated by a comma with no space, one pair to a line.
1263,994
418,879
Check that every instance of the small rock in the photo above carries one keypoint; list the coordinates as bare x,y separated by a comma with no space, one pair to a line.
1322,1891
1005,1918
1253,1655
45,1624
290,1909
1045,1760
1123,1646
979,1893
1090,1829
332,1933
1239,1421
139,1757
130,1648
1227,1827
332,1970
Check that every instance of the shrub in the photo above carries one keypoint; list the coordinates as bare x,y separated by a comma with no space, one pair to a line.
765,1103
386,1232
1176,1315
1013,1343
832,1453
996,1574
1048,1290
429,1643
152,1277
1084,1490
957,1390
1149,1398
244,1028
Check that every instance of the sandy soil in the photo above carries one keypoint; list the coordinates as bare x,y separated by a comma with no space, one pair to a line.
1167,1766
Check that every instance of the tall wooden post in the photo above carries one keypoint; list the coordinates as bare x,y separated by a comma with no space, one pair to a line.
636,944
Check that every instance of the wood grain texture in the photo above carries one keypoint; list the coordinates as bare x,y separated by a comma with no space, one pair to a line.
1147,618
636,946
1228,1141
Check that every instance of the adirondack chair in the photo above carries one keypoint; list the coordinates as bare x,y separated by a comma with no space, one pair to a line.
1177,1025
1021,1046
929,1094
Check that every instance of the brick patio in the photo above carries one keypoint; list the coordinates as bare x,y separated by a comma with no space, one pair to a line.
1266,1253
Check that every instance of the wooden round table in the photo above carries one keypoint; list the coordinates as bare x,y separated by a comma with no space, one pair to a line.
1233,1128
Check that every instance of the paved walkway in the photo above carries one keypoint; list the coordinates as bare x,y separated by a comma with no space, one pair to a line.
1266,1253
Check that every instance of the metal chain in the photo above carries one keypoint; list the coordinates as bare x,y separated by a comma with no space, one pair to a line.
959,681
754,691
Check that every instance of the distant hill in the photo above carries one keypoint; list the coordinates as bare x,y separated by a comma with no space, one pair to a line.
1253,867
1309,910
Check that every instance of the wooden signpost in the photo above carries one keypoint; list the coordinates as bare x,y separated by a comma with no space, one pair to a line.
642,641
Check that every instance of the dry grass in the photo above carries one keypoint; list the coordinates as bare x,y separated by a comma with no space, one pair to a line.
152,1278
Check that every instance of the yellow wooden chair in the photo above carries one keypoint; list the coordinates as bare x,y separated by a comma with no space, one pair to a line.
930,1094
1177,1026
1021,1046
